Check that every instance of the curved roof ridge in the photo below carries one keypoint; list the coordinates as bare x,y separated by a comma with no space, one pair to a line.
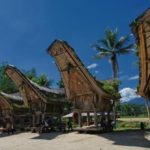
47,89
81,66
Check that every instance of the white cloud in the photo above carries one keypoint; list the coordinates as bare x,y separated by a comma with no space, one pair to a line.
134,77
131,35
94,65
128,94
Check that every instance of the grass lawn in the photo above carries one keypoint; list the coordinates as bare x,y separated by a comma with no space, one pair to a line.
131,123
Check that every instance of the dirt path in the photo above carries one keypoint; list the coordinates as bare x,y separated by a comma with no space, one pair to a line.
137,140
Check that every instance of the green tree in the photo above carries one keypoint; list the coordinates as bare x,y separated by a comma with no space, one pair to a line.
112,46
6,84
111,86
126,109
44,81
41,80
60,84
31,74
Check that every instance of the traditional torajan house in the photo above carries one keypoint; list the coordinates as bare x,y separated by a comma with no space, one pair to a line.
141,30
13,111
5,111
42,101
81,88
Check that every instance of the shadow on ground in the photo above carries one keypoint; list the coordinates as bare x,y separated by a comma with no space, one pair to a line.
5,134
47,136
135,138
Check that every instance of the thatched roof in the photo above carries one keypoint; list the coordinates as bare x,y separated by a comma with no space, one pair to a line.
30,91
144,17
49,90
14,96
11,101
4,104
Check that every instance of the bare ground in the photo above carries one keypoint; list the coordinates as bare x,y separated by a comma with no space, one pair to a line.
129,140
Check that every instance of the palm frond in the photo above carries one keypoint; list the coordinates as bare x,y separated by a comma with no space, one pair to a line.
111,36
102,55
125,50
111,46
122,41
105,43
101,49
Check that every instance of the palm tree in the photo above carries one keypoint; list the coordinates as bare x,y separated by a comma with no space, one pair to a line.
112,46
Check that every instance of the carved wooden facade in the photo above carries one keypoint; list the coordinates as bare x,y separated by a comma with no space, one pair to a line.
80,86
141,30
5,107
12,110
42,101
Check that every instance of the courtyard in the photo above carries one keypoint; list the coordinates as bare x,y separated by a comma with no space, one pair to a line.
121,140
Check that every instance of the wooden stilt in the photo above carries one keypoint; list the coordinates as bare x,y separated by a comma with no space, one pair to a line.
88,118
95,119
114,113
33,120
79,119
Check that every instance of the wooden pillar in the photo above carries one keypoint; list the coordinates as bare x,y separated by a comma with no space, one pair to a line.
43,117
37,119
88,119
95,119
33,120
114,113
95,113
44,106
108,115
73,118
79,119
22,123
13,119
60,118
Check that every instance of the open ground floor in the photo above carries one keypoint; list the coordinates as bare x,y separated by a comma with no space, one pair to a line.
125,140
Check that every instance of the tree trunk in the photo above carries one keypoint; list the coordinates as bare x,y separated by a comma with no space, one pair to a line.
114,113
115,68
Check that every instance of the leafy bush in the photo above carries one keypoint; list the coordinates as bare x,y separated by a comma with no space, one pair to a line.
111,87
127,125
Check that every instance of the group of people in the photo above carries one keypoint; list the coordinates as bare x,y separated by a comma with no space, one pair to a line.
106,125
66,126
46,125
49,125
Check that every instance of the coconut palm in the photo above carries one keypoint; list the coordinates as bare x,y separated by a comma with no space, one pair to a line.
112,46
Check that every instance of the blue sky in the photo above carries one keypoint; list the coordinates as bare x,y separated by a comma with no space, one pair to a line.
27,28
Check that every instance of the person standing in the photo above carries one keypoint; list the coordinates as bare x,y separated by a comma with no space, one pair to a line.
69,125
